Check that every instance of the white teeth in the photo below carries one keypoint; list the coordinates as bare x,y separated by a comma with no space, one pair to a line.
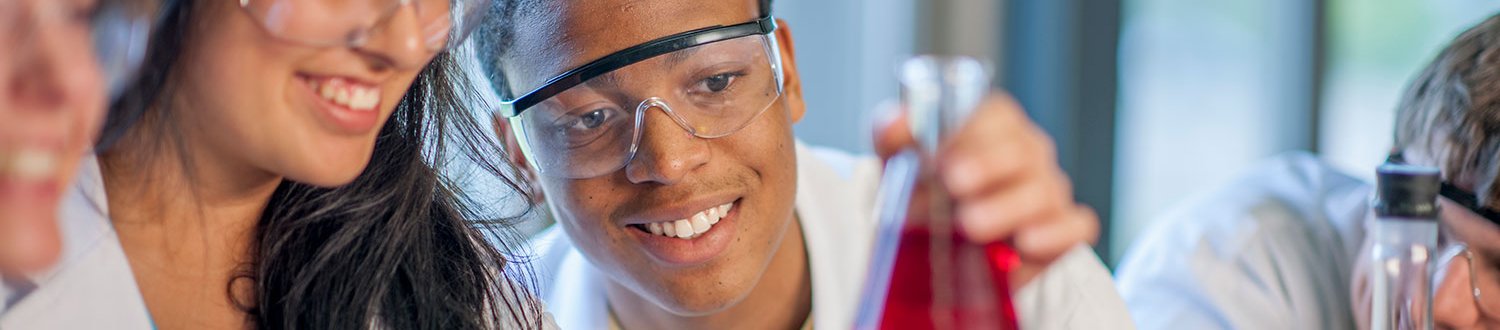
700,223
353,96
30,164
366,99
325,91
684,228
693,226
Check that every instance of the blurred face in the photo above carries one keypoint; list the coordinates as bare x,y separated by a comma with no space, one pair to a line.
1455,304
309,114
51,103
746,179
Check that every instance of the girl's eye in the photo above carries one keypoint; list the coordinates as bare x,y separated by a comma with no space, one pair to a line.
591,120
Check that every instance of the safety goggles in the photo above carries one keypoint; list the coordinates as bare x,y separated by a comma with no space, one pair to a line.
1484,275
119,30
588,121
442,24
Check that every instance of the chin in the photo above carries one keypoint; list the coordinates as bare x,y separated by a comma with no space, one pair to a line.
694,300
330,175
330,165
703,305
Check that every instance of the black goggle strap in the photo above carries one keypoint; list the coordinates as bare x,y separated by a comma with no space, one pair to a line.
1457,195
764,25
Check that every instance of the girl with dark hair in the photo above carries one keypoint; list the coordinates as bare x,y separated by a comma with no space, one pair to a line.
278,165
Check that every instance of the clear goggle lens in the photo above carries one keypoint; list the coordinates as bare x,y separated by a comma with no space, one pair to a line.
441,24
594,128
1483,275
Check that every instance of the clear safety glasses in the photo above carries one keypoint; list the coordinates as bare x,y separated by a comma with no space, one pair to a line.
119,30
1483,272
1484,282
329,23
588,121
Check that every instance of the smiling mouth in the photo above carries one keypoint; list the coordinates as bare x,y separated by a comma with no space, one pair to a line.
29,164
346,93
689,228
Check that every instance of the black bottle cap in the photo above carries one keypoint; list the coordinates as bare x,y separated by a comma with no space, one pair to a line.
1407,191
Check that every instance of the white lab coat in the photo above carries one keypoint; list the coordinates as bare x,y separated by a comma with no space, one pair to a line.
1273,250
835,202
91,287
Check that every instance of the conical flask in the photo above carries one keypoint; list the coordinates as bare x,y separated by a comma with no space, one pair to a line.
925,274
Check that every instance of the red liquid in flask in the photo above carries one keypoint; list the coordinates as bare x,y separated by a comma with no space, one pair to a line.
978,290
924,273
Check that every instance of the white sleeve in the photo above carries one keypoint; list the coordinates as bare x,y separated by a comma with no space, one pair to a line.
1169,285
1075,292
1263,271
1271,250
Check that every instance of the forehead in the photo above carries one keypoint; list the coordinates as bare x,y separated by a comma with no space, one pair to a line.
566,34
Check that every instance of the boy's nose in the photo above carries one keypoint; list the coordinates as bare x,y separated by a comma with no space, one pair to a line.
668,151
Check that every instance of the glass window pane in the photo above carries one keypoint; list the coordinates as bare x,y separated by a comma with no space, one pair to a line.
1374,49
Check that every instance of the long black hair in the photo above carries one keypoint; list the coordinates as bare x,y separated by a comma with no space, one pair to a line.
399,247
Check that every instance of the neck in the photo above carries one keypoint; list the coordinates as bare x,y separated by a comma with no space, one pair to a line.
186,218
188,190
782,299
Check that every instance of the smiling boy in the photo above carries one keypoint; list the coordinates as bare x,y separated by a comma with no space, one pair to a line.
660,135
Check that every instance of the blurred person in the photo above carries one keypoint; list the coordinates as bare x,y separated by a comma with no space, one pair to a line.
277,165
52,99
1286,246
685,218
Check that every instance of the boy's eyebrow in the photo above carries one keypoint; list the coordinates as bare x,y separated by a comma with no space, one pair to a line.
680,56
607,80
611,80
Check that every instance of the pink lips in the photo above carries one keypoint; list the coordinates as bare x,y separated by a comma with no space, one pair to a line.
338,114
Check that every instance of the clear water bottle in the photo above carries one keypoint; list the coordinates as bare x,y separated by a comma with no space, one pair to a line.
1404,242
925,274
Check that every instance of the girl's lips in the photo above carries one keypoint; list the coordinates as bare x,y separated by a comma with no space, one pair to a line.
344,105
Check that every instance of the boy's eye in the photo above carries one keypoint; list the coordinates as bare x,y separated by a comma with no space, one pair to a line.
718,83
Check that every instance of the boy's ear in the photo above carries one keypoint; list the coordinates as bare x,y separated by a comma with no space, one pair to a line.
513,153
792,84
